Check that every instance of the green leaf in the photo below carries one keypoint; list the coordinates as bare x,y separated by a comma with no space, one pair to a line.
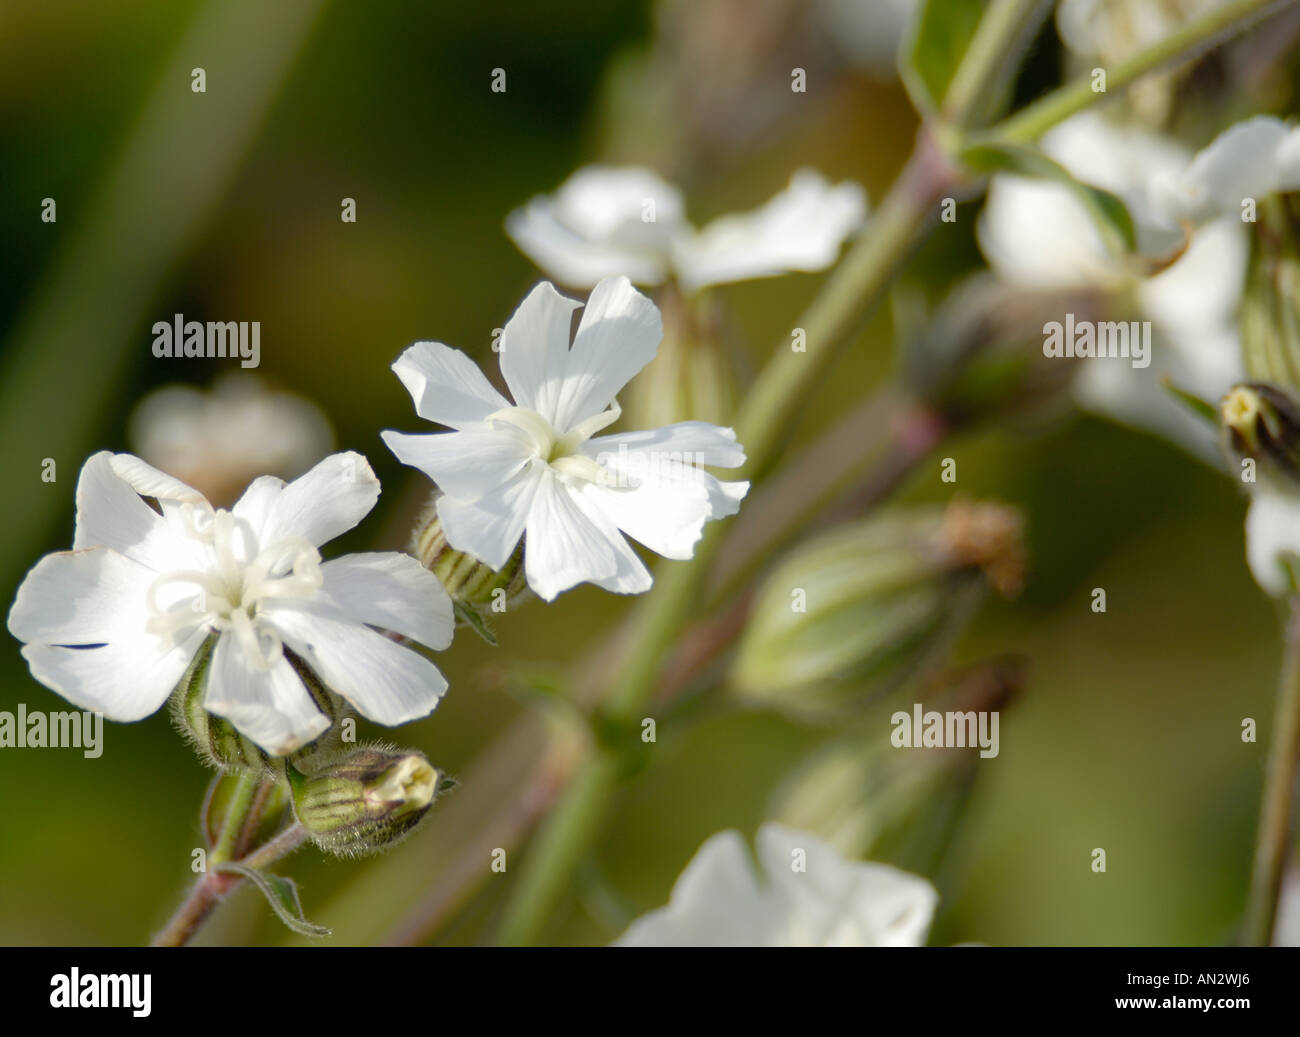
934,45
1107,210
466,616
1201,408
281,894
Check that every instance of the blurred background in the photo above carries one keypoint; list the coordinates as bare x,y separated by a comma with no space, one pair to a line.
225,205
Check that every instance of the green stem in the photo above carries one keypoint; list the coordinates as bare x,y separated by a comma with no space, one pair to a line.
1277,805
241,802
991,58
213,886
1182,45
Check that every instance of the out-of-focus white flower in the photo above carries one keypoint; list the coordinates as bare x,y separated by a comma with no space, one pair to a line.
1037,233
804,894
113,624
1273,539
1251,160
1102,33
536,468
220,440
605,221
1114,29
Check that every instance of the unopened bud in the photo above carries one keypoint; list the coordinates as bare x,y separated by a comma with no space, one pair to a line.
858,610
366,801
1262,423
1270,305
216,739
475,588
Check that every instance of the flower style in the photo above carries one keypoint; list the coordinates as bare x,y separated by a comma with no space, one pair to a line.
113,624
605,221
536,468
719,900
1038,234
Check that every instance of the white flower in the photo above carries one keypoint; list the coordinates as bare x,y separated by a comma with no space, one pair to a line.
1251,160
1115,29
719,900
1038,234
220,440
536,467
605,221
112,624
1273,539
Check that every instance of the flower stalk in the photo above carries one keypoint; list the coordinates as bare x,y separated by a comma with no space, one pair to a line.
1278,804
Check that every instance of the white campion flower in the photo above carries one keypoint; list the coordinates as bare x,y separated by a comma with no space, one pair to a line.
113,624
604,221
1038,234
1251,160
535,467
720,901
219,440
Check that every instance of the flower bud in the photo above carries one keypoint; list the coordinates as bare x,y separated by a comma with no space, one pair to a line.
1262,423
365,801
274,799
856,611
475,588
869,798
1270,306
217,741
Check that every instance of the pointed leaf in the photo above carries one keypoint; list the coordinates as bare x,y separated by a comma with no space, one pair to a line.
281,894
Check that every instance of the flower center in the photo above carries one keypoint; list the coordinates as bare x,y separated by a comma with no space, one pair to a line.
230,594
560,452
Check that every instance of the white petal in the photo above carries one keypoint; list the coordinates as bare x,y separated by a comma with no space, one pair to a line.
446,385
111,514
1203,288
840,903
148,481
325,502
1273,537
392,591
1036,233
1288,161
668,517
272,707
619,334
258,501
631,576
490,527
601,222
83,597
1241,162
467,465
125,680
385,681
715,902
535,348
697,441
562,546
802,228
